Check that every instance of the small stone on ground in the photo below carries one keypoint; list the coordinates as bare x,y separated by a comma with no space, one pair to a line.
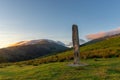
76,65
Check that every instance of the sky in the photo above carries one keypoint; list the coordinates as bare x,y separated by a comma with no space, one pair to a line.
53,19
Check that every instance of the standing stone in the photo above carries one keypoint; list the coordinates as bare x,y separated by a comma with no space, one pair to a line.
75,39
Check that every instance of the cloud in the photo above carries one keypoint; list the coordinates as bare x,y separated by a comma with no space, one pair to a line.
103,34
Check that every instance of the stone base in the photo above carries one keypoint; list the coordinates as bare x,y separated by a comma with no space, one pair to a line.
77,65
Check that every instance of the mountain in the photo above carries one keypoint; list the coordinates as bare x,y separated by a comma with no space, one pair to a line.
26,50
101,39
101,64
32,42
80,40
102,52
103,47
106,48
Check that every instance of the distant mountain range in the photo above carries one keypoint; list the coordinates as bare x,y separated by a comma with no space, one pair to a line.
32,42
26,50
81,41
105,47
101,39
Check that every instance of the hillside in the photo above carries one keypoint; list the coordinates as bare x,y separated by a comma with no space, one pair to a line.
99,48
107,48
104,69
26,50
101,57
102,38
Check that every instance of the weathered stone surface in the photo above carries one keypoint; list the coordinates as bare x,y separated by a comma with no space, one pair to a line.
75,39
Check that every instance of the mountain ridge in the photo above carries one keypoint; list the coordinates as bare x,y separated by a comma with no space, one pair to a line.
28,51
31,42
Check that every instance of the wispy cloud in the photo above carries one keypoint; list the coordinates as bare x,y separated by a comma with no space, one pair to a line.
103,34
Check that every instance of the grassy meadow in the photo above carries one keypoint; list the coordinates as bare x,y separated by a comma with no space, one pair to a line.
98,69
103,58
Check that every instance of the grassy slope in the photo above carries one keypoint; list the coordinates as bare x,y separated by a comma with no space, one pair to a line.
108,69
103,69
106,48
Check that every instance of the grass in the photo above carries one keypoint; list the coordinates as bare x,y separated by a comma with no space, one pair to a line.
107,48
98,69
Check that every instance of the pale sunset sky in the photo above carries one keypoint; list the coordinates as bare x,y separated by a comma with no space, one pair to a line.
52,19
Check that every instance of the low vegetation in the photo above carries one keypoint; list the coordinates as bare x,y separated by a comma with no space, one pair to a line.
104,49
98,69
102,57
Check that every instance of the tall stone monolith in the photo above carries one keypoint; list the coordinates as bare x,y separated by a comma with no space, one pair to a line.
75,40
